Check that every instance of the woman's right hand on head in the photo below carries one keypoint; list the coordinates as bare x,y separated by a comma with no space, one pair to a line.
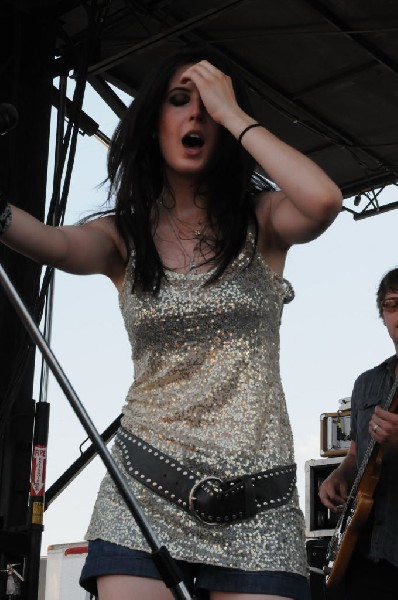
216,91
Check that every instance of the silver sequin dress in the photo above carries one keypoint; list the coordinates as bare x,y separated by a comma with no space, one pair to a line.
207,391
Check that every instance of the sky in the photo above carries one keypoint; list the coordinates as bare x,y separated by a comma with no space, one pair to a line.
330,333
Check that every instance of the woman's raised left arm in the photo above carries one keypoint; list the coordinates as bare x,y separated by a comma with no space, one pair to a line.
308,200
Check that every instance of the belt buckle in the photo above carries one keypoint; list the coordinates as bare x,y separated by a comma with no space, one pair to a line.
192,498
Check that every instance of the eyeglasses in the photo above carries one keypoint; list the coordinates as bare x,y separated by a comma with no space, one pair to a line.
390,304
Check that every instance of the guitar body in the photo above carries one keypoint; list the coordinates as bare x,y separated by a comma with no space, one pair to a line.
344,540
356,512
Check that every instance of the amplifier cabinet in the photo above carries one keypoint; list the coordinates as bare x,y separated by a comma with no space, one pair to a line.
335,433
319,520
316,557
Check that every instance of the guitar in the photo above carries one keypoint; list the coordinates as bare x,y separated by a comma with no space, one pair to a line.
358,505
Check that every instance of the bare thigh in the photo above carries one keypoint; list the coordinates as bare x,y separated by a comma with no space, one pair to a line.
126,587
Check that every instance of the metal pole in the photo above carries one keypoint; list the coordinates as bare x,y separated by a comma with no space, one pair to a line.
166,565
48,321
36,497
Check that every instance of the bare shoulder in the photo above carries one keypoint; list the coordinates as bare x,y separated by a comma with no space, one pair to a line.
265,205
115,263
106,225
270,245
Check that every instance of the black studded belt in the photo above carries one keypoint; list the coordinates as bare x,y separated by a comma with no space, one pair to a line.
211,500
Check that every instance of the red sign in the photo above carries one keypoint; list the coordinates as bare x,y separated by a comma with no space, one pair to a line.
38,474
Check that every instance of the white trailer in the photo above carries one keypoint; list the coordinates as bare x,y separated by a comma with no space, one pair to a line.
64,565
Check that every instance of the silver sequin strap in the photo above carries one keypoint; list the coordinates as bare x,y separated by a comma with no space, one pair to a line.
5,219
211,500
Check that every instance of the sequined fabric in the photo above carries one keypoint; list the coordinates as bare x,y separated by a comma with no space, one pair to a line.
207,391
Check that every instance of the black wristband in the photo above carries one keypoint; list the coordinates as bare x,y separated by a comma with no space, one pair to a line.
246,129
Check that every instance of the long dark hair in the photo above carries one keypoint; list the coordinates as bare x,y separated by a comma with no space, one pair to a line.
135,173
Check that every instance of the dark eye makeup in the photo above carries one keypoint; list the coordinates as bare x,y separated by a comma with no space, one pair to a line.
178,98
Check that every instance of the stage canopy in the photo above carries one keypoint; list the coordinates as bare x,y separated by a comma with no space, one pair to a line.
323,74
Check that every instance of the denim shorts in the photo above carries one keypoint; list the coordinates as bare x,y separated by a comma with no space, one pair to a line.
105,558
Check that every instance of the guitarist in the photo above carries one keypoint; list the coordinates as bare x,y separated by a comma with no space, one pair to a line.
373,570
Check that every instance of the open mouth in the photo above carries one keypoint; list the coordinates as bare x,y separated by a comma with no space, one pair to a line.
192,140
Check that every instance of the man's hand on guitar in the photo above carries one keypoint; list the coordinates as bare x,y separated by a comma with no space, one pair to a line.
383,427
333,492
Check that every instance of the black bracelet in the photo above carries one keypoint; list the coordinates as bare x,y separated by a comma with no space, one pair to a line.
246,129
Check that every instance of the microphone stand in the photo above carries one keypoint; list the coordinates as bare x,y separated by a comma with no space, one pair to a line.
166,565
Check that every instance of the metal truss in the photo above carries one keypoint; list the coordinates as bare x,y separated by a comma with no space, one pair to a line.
371,202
